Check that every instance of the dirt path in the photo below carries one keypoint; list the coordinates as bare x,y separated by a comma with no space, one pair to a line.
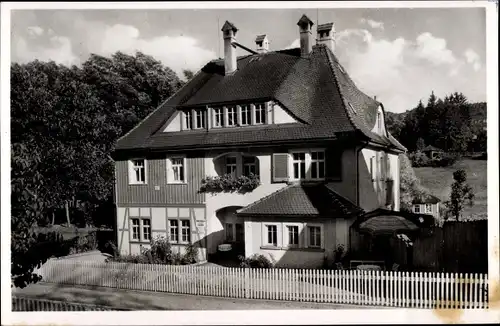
142,300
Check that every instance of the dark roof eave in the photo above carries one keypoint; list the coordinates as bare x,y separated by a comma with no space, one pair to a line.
297,215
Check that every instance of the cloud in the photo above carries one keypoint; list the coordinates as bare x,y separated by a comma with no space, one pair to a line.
58,49
473,58
372,23
35,30
177,52
294,44
401,71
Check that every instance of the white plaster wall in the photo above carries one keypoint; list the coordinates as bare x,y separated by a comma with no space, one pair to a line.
123,230
395,174
280,115
368,199
216,201
346,186
174,124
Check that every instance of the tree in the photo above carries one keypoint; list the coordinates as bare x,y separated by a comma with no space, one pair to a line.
410,187
188,74
420,144
461,194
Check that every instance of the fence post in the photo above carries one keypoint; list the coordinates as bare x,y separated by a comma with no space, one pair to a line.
247,284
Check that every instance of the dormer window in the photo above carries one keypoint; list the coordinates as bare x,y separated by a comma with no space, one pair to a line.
231,116
379,121
246,115
260,113
199,115
188,120
218,117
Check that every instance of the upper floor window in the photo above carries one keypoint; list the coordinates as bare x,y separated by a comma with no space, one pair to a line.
260,113
246,115
188,120
249,165
137,172
231,116
299,165
218,117
317,165
176,170
199,115
231,165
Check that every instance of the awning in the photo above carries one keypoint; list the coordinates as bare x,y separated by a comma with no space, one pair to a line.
387,224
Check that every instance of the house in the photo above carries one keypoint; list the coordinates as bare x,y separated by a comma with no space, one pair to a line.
426,204
295,119
432,152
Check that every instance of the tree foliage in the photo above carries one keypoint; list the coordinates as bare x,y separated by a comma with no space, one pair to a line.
64,124
410,187
451,124
461,194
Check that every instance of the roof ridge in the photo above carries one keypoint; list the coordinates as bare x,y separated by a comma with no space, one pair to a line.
344,101
242,210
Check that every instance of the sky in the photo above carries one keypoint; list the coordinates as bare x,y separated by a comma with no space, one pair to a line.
399,55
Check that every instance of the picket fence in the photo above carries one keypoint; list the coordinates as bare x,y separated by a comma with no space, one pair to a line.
35,304
394,289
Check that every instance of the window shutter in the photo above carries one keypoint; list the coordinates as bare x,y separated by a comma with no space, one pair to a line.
333,161
280,167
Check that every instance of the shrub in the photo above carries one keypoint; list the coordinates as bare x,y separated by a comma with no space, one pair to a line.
111,249
255,261
160,251
227,183
191,254
419,159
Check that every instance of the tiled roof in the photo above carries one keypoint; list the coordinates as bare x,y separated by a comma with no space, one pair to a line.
316,199
426,199
431,148
421,220
314,90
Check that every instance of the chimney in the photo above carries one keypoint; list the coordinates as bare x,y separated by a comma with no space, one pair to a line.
229,35
305,26
326,35
262,44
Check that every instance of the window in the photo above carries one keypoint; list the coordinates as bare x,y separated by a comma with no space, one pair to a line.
299,165
314,233
249,165
240,232
293,235
138,171
188,120
231,116
317,165
246,115
178,170
260,114
272,235
138,225
135,229
379,121
416,208
199,115
428,208
174,230
229,232
185,231
218,117
146,229
231,165
372,168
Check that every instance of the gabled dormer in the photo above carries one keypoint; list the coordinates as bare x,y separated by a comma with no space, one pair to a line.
218,117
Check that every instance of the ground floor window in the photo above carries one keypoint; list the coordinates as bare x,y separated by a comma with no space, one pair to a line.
141,229
179,231
292,235
272,235
314,236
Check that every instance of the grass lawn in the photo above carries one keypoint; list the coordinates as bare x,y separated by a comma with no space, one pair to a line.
439,180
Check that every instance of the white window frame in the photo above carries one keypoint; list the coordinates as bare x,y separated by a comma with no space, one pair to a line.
429,206
263,112
322,236
188,119
265,238
170,169
179,229
132,174
218,113
317,162
415,206
245,164
196,114
233,165
142,227
233,112
294,161
308,162
286,235
245,111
